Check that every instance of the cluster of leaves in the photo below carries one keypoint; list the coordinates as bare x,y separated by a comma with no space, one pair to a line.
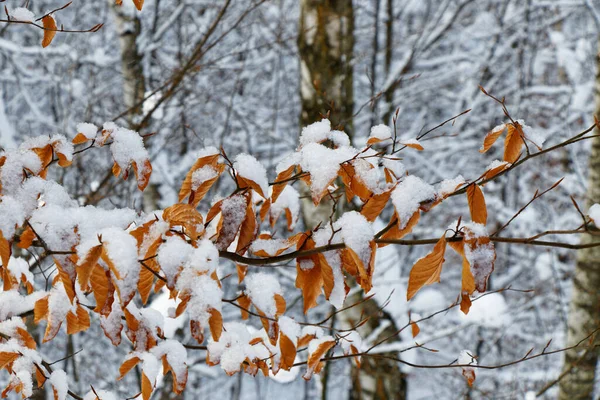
178,250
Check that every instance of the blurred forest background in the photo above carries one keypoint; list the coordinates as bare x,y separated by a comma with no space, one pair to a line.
248,74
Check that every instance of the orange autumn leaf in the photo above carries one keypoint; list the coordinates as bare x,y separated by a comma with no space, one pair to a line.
187,216
373,207
145,283
211,161
427,270
5,250
468,281
142,174
87,264
314,363
492,172
147,387
491,138
127,366
465,303
288,352
477,205
413,145
513,143
308,274
248,229
26,338
281,181
280,305
414,329
40,310
215,322
80,138
245,183
139,4
7,358
26,238
50,28
244,302
395,233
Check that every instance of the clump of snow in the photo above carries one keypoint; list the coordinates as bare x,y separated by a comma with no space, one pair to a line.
489,310
58,380
535,136
321,131
127,146
594,213
207,151
466,358
250,168
261,288
202,175
312,330
448,186
195,279
339,138
233,348
289,328
121,249
176,356
367,169
172,255
22,14
408,196
13,215
315,133
350,340
88,130
381,132
497,163
287,162
13,303
357,233
395,166
288,199
19,267
323,164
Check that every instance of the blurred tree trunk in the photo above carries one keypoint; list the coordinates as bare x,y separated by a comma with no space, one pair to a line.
325,45
129,28
584,310
377,378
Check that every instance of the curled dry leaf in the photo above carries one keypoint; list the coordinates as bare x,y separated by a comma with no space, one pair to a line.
50,28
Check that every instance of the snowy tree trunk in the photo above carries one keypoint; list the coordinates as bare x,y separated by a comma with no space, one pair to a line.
584,311
129,28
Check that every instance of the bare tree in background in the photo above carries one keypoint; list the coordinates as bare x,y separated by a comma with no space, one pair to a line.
584,311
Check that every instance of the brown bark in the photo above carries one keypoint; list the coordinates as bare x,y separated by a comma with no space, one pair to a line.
325,44
584,310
